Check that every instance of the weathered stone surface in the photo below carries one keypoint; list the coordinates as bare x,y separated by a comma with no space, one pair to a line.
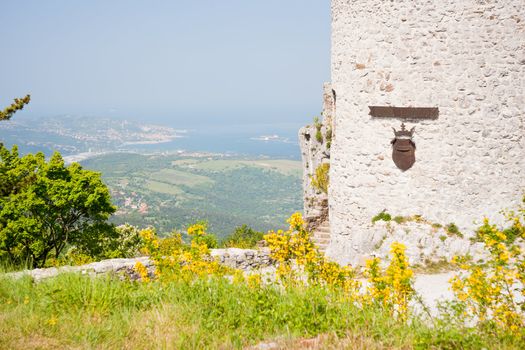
466,58
426,244
314,153
96,268
243,259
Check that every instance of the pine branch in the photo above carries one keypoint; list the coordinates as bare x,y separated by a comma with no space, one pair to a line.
19,103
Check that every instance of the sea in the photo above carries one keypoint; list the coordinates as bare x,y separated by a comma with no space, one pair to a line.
275,141
278,140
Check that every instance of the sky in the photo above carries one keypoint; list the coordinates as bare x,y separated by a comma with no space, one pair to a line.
178,62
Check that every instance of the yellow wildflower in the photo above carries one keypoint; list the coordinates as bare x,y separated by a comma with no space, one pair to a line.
52,321
197,230
296,221
142,271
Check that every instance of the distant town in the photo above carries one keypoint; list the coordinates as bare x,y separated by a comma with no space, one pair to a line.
79,138
84,135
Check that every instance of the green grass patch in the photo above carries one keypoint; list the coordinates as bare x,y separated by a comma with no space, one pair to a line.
74,311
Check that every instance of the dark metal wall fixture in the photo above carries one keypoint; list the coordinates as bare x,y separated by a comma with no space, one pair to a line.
406,113
403,147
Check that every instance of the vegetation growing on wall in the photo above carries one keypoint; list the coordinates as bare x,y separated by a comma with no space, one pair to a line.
382,216
453,230
318,134
328,137
321,179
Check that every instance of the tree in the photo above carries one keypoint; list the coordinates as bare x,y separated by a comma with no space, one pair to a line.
243,237
19,104
44,206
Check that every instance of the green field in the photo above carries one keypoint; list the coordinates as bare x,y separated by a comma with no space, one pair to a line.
162,187
283,166
170,192
177,177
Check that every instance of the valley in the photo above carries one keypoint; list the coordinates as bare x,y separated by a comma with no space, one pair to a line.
171,191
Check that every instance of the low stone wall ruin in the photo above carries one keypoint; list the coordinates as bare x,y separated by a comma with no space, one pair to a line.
242,259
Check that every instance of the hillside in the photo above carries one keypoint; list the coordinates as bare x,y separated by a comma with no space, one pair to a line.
171,191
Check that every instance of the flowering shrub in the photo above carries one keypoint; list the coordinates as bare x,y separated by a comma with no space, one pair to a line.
142,272
485,292
393,287
295,246
197,230
489,291
174,260
321,179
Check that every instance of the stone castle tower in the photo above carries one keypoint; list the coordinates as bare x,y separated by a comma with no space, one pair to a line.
446,80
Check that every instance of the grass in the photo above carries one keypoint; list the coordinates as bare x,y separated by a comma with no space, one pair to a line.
74,311
7,266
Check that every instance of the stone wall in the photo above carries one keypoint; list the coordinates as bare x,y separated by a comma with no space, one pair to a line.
315,151
466,57
427,244
315,143
242,259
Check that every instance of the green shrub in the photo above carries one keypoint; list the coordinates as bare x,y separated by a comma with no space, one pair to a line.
453,230
47,206
209,239
400,219
124,241
199,234
243,237
512,232
171,243
383,216
318,134
328,137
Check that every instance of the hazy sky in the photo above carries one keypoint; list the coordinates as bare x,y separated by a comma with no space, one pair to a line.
227,61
